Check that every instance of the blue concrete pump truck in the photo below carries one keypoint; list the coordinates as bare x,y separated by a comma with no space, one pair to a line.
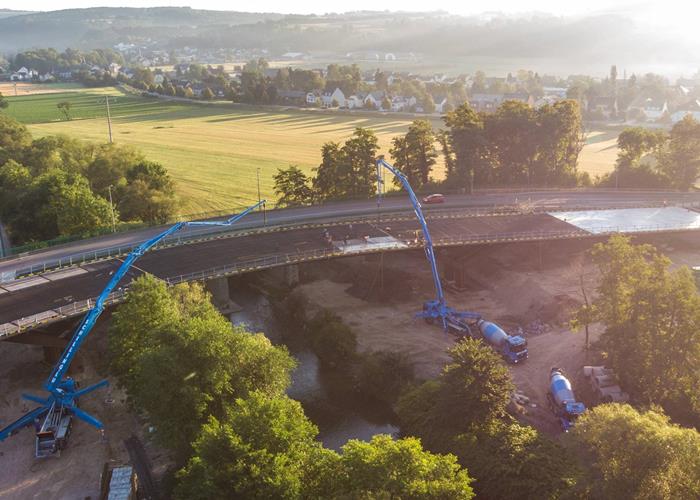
562,401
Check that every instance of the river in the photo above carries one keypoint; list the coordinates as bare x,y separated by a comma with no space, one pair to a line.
339,414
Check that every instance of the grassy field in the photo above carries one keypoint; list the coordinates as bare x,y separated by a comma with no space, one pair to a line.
214,151
599,153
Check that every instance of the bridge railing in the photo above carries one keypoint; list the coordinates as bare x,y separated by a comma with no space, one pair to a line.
207,234
271,261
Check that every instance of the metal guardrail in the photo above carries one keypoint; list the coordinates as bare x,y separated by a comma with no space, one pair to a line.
522,208
250,265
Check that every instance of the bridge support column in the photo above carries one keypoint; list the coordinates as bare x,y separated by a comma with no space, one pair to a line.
218,287
291,275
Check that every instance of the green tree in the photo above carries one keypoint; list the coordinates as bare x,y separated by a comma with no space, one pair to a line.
59,152
4,103
474,387
467,143
633,143
388,468
386,103
77,210
149,194
632,454
332,340
348,171
262,449
650,315
175,338
292,187
109,167
512,145
680,160
559,139
415,154
64,107
384,375
14,138
511,460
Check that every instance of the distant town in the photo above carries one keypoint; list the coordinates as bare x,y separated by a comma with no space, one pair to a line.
292,79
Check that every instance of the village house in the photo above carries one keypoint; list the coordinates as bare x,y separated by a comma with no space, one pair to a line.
402,103
355,100
335,98
488,103
440,103
374,99
23,74
647,109
691,108
311,98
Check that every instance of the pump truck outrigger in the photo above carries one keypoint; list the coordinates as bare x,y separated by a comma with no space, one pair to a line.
61,404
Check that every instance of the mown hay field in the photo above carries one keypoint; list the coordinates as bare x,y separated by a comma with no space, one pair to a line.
214,150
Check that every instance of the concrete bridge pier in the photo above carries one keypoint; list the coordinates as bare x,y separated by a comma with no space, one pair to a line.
221,297
291,275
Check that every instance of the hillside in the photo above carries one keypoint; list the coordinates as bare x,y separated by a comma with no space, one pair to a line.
434,40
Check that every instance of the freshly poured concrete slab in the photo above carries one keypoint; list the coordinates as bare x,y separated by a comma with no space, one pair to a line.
66,273
24,283
376,243
631,220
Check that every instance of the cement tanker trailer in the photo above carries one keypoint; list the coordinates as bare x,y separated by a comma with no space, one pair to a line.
562,400
512,348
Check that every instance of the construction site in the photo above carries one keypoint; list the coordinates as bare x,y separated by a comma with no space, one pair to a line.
528,289
404,283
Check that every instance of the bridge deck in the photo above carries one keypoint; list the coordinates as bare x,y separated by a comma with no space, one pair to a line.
43,295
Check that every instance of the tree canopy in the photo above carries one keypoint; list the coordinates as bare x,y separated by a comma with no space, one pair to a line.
265,448
175,338
292,187
652,317
515,145
59,186
631,454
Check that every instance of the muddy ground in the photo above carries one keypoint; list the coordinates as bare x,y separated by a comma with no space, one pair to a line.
532,286
75,474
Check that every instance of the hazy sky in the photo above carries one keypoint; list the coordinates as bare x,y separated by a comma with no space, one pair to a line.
674,15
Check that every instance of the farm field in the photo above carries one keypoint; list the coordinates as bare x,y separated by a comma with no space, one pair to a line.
214,150
599,153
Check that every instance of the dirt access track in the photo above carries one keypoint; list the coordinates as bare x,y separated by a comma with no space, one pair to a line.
529,285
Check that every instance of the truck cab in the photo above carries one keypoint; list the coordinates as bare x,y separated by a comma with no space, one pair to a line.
512,348
515,349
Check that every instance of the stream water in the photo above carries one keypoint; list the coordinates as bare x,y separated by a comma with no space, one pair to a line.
339,414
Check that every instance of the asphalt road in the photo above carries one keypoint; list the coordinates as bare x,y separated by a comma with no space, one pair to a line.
555,199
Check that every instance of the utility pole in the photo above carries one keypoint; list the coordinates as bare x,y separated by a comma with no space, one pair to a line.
109,119
111,206
259,198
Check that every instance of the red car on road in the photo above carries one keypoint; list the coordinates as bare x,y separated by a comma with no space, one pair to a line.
434,198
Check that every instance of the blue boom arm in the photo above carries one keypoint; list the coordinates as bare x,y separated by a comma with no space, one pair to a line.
62,390
429,251
437,308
